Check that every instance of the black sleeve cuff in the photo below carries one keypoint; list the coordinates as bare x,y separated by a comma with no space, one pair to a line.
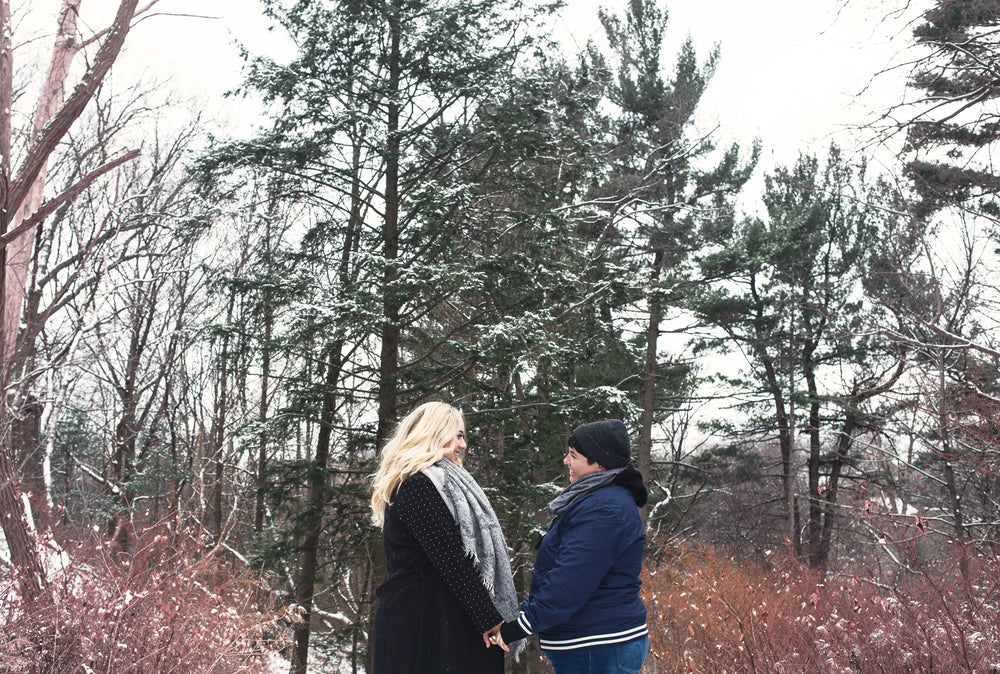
511,632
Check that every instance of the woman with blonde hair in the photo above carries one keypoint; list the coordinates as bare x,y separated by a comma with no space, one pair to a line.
448,581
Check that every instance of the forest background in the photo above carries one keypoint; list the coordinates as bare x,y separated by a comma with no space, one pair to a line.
205,335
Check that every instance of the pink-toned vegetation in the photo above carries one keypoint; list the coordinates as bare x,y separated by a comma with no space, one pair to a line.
166,605
710,614
172,605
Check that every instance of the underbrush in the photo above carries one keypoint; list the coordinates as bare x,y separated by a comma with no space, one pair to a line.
166,605
709,614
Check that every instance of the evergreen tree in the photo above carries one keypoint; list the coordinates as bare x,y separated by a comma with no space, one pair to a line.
789,296
956,124
366,136
945,299
657,193
521,346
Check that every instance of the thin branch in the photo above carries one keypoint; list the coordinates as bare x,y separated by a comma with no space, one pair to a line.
69,194
101,33
57,127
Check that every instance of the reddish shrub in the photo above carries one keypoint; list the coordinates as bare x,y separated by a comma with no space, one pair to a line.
707,614
167,606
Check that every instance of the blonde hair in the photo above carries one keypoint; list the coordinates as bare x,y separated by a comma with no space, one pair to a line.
419,440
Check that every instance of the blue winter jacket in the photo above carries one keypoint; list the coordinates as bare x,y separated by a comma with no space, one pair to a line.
585,586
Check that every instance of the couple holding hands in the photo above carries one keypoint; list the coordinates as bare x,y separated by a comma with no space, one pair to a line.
448,602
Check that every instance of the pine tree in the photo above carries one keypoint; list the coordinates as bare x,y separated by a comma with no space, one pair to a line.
789,296
366,137
956,124
950,140
657,194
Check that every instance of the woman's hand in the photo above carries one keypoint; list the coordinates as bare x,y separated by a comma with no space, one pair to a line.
488,636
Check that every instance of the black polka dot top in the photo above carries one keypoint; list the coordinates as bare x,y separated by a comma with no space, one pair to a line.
423,513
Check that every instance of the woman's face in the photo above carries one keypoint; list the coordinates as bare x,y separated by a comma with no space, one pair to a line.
453,450
579,466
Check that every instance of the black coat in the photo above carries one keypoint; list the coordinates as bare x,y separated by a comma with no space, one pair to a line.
432,606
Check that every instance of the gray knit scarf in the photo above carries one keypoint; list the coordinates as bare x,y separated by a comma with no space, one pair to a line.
582,486
482,537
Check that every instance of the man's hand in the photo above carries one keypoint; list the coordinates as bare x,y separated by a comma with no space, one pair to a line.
495,638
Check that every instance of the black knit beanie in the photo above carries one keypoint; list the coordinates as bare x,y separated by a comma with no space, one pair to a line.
605,442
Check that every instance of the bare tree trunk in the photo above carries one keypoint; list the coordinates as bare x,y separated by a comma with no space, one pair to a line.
853,420
19,250
23,548
315,502
219,424
389,358
786,425
786,441
129,389
26,444
946,455
20,198
258,517
644,445
13,516
814,526
265,367
844,443
6,101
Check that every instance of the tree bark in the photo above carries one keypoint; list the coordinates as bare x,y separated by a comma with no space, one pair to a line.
6,103
946,455
814,526
23,547
844,443
644,444
26,443
785,422
219,424
130,391
53,119
66,47
388,390
316,500
265,366
390,337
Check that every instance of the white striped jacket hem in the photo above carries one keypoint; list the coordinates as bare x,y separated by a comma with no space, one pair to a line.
523,623
592,640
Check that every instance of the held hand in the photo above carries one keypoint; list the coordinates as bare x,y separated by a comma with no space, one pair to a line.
498,640
488,636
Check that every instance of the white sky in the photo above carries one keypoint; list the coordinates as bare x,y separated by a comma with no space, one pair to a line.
790,72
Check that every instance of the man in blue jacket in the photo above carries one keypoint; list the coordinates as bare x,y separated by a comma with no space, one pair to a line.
584,599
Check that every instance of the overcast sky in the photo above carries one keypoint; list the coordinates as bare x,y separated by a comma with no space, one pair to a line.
791,70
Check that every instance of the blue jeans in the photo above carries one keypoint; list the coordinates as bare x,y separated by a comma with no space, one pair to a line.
611,659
